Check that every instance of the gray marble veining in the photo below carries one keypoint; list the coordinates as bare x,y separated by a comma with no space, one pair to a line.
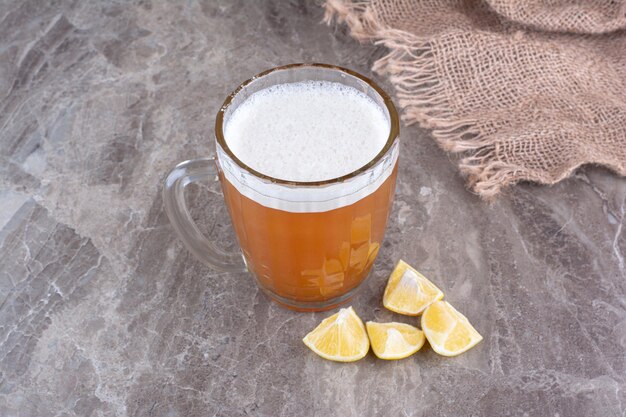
104,313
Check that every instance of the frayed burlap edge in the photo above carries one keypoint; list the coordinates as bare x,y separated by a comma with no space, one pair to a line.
410,67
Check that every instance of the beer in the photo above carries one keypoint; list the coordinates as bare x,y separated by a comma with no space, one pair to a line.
307,158
306,134
307,131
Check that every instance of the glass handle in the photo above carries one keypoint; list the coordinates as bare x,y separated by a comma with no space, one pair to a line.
182,175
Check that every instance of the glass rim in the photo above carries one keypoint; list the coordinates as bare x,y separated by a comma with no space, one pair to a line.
394,125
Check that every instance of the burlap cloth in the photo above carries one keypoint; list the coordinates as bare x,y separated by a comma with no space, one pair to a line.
521,90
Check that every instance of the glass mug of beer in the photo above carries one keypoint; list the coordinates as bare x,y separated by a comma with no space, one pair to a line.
306,155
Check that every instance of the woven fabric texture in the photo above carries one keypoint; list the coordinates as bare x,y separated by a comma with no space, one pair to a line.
520,90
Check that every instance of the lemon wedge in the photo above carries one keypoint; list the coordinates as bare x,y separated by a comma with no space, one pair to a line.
409,292
340,337
394,340
448,331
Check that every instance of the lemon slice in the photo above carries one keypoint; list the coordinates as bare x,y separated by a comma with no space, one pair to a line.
341,337
448,331
394,340
409,292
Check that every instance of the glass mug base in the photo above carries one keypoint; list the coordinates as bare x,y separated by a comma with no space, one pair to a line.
312,306
308,245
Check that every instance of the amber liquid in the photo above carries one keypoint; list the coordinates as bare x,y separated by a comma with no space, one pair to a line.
310,257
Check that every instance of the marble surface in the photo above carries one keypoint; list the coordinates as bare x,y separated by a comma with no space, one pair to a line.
103,312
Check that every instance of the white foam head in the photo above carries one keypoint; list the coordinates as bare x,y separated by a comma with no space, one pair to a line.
307,131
